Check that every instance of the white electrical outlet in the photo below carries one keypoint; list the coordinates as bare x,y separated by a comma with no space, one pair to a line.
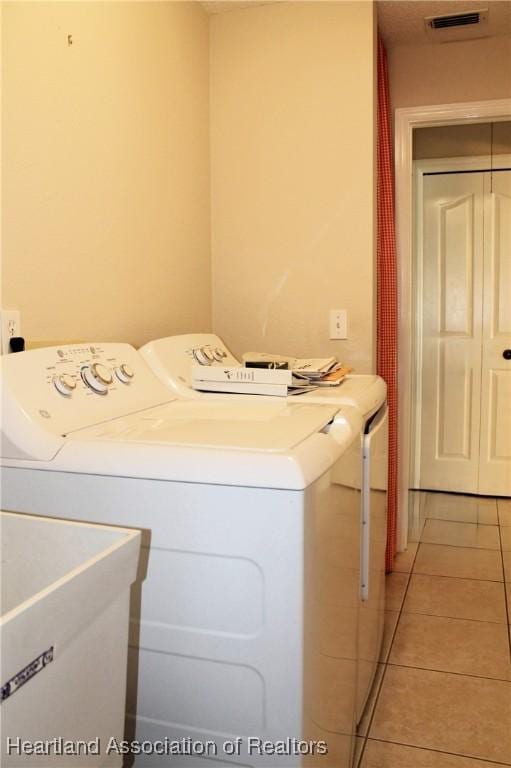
11,327
338,324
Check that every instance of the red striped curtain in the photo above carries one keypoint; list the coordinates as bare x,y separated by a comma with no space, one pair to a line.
386,312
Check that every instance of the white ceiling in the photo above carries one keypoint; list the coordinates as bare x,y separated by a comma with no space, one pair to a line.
401,22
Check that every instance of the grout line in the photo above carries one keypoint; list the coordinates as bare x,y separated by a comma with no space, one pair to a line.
454,618
462,522
461,546
505,586
440,752
461,618
385,663
458,494
388,663
464,578
451,672
459,578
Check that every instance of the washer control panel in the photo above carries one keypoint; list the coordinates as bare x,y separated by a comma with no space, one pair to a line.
74,386
98,376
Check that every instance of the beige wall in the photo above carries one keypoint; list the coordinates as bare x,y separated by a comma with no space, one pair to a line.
292,153
106,169
472,70
462,140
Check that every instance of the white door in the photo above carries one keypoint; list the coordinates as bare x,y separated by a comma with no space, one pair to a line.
465,411
451,331
495,452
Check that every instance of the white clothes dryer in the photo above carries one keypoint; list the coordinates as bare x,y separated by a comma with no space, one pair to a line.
172,359
244,619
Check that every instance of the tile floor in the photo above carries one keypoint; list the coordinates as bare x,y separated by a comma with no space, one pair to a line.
442,697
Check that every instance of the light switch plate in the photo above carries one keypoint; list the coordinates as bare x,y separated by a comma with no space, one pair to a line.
338,324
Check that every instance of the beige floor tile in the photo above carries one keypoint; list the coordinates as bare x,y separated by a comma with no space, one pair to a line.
340,749
505,518
357,751
461,534
462,509
363,726
381,754
451,713
463,562
416,514
415,529
504,510
452,645
505,537
506,556
403,561
456,598
395,588
391,618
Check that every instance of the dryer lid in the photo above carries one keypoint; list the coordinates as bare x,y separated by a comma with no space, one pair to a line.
365,392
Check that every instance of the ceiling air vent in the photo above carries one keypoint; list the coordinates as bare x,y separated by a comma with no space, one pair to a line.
457,26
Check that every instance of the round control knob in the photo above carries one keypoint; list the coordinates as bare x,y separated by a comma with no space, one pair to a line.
93,382
506,354
201,357
65,384
124,373
102,373
219,354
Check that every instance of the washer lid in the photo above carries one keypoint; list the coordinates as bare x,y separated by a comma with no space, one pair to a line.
273,427
278,445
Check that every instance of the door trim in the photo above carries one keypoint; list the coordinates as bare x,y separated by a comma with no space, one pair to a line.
406,120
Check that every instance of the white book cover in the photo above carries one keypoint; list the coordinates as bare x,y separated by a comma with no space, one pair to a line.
240,388
202,373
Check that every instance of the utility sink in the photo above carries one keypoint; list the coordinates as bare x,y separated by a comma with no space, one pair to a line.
64,614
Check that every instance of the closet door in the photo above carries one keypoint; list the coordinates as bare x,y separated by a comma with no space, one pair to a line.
451,317
495,453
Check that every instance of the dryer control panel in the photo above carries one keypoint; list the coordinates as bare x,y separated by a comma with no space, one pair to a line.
62,389
173,358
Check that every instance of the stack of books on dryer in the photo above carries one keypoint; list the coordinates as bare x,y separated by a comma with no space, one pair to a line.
320,372
265,375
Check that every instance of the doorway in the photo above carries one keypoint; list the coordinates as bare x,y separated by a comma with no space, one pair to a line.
461,408
406,121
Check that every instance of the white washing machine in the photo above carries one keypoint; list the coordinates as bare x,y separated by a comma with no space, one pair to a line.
244,619
172,358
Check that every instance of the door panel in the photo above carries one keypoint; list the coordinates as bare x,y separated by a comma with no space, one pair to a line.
452,275
495,458
456,257
454,430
